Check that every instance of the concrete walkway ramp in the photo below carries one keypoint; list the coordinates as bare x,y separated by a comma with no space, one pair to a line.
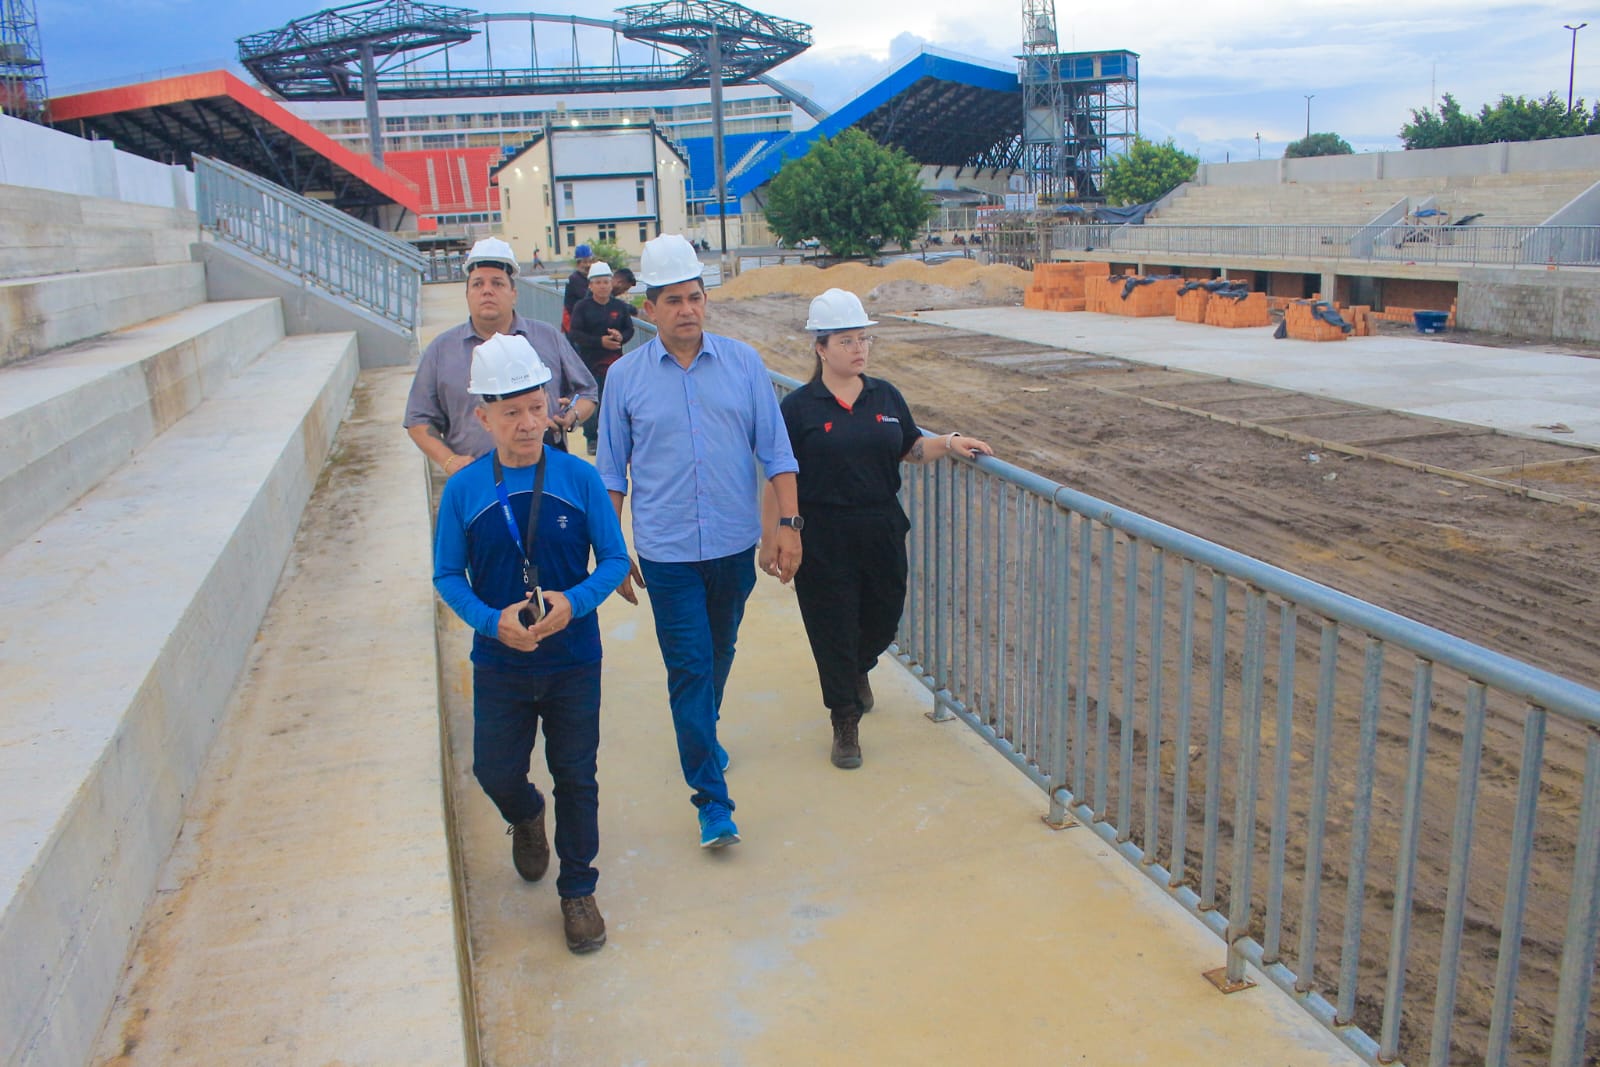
913,911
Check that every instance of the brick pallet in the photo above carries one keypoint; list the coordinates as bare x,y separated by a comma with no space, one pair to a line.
1303,324
1236,314
1061,286
1191,306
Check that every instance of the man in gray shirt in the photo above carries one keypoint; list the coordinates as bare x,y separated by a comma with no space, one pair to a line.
439,412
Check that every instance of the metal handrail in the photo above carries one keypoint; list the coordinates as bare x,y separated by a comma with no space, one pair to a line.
1029,616
321,245
1406,242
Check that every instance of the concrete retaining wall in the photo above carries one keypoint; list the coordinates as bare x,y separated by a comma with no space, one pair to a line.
1537,305
43,158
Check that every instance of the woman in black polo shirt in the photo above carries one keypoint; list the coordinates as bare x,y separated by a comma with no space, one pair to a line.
850,432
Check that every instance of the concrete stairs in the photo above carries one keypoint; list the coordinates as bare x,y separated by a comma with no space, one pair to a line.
156,455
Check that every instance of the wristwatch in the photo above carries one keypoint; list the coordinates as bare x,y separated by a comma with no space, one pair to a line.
794,522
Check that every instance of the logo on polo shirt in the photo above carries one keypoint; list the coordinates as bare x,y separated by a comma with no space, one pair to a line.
827,427
887,418
561,520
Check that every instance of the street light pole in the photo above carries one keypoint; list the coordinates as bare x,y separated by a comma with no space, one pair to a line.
1309,97
1572,64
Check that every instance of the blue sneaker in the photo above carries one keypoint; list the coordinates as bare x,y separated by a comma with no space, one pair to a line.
716,826
724,761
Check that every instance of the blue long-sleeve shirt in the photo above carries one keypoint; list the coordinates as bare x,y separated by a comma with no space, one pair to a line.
690,439
477,566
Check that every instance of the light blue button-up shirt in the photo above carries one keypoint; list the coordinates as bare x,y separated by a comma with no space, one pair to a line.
691,439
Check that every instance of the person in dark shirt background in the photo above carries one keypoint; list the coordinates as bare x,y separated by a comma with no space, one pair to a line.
601,325
850,433
577,283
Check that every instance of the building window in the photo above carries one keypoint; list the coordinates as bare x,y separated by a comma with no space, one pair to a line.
607,232
566,194
638,192
644,231
505,202
572,236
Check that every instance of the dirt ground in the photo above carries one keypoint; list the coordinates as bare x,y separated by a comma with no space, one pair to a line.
1516,575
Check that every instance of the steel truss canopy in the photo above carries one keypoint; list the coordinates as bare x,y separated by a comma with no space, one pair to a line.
320,57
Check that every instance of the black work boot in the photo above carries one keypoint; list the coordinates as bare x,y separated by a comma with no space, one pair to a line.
530,849
864,692
846,753
585,928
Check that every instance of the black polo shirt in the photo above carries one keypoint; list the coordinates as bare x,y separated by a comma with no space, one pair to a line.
849,456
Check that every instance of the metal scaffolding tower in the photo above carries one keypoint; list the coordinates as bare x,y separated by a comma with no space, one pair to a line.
1077,108
22,83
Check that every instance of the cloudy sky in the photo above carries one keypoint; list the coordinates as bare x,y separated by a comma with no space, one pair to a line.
1212,75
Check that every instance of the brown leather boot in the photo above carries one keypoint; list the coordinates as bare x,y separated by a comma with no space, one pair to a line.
585,928
530,849
846,753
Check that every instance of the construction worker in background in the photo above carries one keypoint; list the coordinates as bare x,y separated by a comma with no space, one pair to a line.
687,415
440,411
850,433
511,558
601,325
577,284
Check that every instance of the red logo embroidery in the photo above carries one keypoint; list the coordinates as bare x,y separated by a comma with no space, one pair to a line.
827,427
880,418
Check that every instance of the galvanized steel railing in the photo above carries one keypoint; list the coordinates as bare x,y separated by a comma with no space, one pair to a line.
321,245
1401,242
1237,732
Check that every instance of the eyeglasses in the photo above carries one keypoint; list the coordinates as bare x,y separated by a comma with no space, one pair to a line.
856,342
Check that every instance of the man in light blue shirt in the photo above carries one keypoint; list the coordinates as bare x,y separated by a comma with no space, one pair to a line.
688,415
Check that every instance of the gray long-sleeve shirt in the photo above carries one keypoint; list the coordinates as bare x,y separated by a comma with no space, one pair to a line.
439,396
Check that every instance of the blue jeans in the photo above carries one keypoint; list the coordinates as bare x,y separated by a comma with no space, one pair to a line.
506,710
698,608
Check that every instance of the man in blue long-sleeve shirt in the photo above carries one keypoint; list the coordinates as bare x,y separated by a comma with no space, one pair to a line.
511,558
688,415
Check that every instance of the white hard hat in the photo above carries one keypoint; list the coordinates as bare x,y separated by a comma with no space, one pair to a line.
505,365
491,250
837,309
668,260
601,269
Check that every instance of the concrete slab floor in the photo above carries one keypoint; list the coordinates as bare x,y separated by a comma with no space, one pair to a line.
1517,391
913,911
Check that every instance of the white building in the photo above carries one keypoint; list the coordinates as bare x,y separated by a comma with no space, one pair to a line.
572,185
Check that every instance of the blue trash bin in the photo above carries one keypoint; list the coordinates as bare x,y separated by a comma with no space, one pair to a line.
1431,321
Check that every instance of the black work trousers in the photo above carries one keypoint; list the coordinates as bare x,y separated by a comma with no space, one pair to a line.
852,588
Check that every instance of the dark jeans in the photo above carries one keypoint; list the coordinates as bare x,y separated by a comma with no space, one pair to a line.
852,588
506,711
698,608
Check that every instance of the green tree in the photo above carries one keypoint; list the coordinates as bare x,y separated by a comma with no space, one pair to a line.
1511,118
851,193
1318,144
608,252
1147,172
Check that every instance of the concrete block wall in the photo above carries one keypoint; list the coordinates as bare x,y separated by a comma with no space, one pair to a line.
1533,304
42,158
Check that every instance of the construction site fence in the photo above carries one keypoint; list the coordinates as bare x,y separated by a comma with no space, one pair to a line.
321,245
1217,721
1394,242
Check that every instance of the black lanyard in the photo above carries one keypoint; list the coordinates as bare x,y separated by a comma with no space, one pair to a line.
530,569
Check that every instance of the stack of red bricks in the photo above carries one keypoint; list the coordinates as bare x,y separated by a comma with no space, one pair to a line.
1157,297
1234,314
1060,286
1191,306
1407,316
1304,325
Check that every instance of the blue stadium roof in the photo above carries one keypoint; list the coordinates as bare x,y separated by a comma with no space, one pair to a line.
942,111
742,149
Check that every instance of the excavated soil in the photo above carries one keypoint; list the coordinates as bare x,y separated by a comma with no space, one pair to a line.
1514,574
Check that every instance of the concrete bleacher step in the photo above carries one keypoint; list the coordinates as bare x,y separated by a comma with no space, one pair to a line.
124,624
43,312
46,232
72,416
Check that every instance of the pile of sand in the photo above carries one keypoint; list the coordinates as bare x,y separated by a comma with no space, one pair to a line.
903,283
